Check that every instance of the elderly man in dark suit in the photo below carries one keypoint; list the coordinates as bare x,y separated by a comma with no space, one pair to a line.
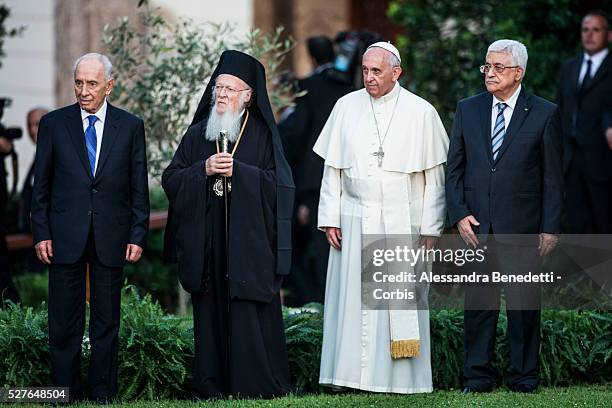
585,81
504,176
90,205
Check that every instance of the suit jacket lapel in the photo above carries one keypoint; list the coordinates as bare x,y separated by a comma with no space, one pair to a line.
574,75
74,123
111,128
521,110
484,107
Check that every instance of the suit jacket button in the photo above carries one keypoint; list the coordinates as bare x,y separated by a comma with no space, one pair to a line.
89,212
94,190
493,170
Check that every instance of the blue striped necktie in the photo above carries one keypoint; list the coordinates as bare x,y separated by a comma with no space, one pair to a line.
91,141
499,131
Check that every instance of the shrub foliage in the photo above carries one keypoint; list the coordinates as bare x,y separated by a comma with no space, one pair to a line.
444,43
156,349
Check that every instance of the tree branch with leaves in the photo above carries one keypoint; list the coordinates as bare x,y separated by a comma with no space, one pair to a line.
162,70
6,32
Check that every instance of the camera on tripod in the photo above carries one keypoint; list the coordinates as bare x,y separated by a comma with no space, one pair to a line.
8,133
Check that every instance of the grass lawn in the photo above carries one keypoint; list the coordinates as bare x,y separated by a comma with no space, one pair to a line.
579,396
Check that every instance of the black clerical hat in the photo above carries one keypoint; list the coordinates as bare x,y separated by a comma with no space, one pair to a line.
241,65
248,69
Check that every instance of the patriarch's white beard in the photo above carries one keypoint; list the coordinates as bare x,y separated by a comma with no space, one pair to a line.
228,121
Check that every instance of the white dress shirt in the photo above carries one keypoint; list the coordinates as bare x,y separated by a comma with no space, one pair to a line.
511,102
99,126
596,61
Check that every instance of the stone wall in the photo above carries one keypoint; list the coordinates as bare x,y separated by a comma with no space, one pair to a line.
78,29
302,19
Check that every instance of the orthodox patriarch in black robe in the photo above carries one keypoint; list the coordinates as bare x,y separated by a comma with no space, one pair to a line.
233,249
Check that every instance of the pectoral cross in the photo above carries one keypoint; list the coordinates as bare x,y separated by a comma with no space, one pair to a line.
380,154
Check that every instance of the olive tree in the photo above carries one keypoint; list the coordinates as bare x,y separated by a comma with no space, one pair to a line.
162,69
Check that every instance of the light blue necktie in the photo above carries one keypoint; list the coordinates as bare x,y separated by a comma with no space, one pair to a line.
499,131
91,141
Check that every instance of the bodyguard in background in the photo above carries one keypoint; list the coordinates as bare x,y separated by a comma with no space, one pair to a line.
585,81
90,206
8,292
299,132
504,176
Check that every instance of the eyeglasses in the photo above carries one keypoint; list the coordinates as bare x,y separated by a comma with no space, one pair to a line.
499,68
218,89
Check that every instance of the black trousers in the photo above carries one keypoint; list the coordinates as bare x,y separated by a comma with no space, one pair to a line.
67,292
310,256
588,201
481,313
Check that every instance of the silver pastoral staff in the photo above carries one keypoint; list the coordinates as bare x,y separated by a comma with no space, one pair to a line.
223,143
222,182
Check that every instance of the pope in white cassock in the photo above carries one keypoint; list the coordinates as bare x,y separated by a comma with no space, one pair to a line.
384,150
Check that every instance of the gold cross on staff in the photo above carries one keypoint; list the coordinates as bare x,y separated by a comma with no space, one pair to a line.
380,154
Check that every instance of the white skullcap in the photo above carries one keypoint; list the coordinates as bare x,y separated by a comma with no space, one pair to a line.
387,46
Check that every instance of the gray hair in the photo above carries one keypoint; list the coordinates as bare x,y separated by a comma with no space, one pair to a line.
389,57
392,60
103,59
516,50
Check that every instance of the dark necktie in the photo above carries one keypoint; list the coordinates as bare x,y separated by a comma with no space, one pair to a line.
91,142
577,119
587,76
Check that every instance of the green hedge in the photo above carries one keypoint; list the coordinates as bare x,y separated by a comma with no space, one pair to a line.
156,349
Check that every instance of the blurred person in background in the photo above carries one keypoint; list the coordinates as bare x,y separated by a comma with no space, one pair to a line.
7,289
33,119
299,132
585,81
33,264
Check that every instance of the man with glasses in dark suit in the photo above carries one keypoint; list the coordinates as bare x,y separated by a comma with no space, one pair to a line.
503,179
